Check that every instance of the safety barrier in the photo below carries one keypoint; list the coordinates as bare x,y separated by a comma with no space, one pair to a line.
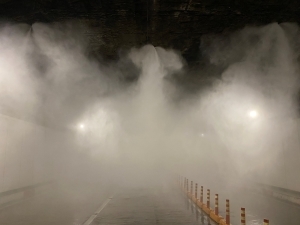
212,213
282,194
15,195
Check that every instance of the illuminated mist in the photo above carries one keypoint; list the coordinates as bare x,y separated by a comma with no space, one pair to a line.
135,133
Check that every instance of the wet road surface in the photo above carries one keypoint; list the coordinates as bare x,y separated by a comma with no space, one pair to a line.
140,206
66,205
150,207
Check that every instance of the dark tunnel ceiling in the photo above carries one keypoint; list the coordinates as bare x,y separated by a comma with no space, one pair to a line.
179,24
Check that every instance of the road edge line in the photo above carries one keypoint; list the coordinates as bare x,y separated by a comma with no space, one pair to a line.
91,219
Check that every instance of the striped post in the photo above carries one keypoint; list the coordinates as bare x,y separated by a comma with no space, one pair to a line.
217,204
208,198
266,222
201,195
187,185
243,216
196,190
191,187
227,212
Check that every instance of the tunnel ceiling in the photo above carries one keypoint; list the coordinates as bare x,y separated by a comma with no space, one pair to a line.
121,24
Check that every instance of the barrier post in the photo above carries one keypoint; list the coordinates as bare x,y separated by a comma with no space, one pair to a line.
266,222
196,190
187,185
227,212
208,198
243,216
201,195
191,188
217,204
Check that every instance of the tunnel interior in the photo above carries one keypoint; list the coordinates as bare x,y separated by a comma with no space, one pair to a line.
113,103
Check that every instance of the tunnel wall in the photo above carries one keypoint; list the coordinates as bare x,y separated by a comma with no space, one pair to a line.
272,161
29,153
280,166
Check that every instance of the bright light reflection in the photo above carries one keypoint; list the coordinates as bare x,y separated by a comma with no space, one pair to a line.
81,126
253,114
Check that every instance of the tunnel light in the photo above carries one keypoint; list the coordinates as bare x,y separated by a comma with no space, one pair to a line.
81,126
201,135
253,114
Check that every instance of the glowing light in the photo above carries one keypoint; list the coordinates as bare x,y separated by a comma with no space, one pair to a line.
81,126
253,114
201,134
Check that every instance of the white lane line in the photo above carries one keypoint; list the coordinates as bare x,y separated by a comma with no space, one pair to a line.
91,219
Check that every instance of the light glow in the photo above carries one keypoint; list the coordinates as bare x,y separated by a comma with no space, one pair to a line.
253,114
81,126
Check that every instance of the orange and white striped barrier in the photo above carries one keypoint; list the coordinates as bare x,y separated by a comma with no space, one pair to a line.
196,190
208,198
243,216
201,195
227,218
215,214
206,208
200,201
187,186
217,204
227,211
191,194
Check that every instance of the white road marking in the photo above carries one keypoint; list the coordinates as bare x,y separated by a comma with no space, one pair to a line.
91,219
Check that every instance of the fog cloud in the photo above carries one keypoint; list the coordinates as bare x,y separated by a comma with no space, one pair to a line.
134,126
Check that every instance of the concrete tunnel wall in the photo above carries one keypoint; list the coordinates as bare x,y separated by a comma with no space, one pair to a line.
284,157
29,153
